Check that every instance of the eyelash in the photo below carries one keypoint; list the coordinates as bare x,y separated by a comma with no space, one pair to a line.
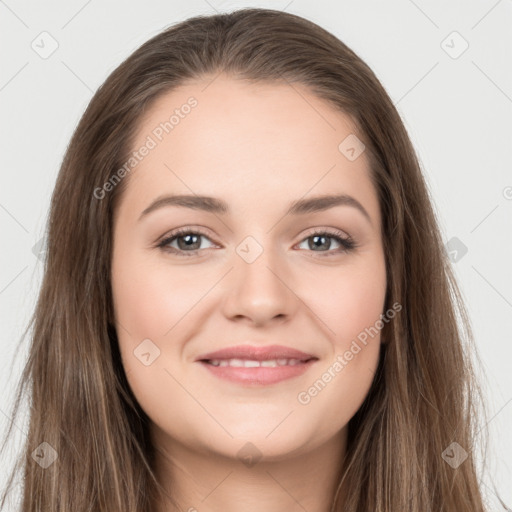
347,242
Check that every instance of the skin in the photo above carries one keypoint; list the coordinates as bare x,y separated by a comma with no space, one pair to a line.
258,147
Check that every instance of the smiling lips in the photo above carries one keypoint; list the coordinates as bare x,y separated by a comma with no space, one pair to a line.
254,365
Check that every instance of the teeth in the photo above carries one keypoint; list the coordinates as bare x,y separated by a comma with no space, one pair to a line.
247,363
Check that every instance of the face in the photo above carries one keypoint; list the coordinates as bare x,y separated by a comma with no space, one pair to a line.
191,277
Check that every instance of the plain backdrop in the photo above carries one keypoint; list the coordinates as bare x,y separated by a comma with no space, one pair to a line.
446,66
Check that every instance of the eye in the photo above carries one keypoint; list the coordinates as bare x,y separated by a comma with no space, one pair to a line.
321,239
188,242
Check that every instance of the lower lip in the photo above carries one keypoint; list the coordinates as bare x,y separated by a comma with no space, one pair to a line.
259,375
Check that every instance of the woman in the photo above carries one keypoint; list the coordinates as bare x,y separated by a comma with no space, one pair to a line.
190,350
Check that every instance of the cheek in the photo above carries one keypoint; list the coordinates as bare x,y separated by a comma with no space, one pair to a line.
150,303
336,391
349,304
150,299
154,301
348,301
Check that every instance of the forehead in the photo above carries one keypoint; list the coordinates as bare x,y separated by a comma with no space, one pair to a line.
249,143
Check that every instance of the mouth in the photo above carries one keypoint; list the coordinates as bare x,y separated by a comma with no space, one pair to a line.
257,365
259,353
257,373
254,363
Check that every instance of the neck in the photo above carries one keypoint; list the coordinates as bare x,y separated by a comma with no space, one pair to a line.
207,481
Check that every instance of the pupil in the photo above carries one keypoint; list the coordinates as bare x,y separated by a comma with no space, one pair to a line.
189,240
317,238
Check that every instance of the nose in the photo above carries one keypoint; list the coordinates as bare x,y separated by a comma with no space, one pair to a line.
260,292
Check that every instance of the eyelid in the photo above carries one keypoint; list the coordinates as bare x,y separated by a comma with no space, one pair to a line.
327,230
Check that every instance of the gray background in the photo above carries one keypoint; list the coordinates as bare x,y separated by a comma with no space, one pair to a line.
455,104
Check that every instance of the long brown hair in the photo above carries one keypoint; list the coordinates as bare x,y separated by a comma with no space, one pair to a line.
424,396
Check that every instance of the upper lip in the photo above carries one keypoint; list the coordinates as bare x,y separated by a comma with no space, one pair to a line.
255,353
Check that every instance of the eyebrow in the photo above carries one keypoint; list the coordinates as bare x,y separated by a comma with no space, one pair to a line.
218,206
